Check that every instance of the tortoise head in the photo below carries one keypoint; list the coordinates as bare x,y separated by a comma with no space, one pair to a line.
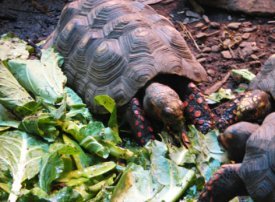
255,104
234,139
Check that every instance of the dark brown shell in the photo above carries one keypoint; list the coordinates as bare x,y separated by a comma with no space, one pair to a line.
265,78
115,47
258,167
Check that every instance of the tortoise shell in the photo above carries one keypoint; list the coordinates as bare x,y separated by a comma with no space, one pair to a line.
115,47
265,78
258,167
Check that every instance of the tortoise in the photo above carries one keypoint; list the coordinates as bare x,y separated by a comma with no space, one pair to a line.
256,174
126,50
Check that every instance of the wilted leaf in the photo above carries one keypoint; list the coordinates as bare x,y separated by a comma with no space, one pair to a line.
12,47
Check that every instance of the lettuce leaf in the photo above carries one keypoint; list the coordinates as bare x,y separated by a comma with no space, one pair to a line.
12,47
43,78
163,181
7,120
52,165
22,154
13,96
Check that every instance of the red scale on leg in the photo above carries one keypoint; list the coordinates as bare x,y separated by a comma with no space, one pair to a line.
197,111
141,128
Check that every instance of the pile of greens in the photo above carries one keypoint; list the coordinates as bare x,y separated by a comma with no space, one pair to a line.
51,148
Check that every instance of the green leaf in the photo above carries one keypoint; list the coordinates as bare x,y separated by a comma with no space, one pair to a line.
81,159
243,73
52,165
77,177
43,78
12,47
7,120
42,124
77,109
163,181
209,154
67,194
109,104
12,95
221,94
22,154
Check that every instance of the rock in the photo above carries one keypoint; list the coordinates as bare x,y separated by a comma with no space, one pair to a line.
245,36
247,49
211,72
254,57
255,64
215,25
201,60
250,29
201,35
234,25
192,14
247,24
206,19
271,38
215,48
199,25
262,7
226,54
206,50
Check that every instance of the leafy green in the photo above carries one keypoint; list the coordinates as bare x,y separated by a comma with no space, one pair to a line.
13,96
77,109
22,154
42,124
163,181
52,165
43,78
66,194
12,47
209,154
243,73
109,104
221,94
7,119
77,177
81,159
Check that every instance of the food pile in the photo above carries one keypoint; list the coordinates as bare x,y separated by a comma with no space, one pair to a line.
52,149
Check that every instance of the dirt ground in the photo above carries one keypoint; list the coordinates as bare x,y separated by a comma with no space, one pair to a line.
220,40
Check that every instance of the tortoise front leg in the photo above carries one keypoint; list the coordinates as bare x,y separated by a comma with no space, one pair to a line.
196,109
249,106
141,127
224,185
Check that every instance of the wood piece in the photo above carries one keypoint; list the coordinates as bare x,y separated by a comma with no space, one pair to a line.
217,85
